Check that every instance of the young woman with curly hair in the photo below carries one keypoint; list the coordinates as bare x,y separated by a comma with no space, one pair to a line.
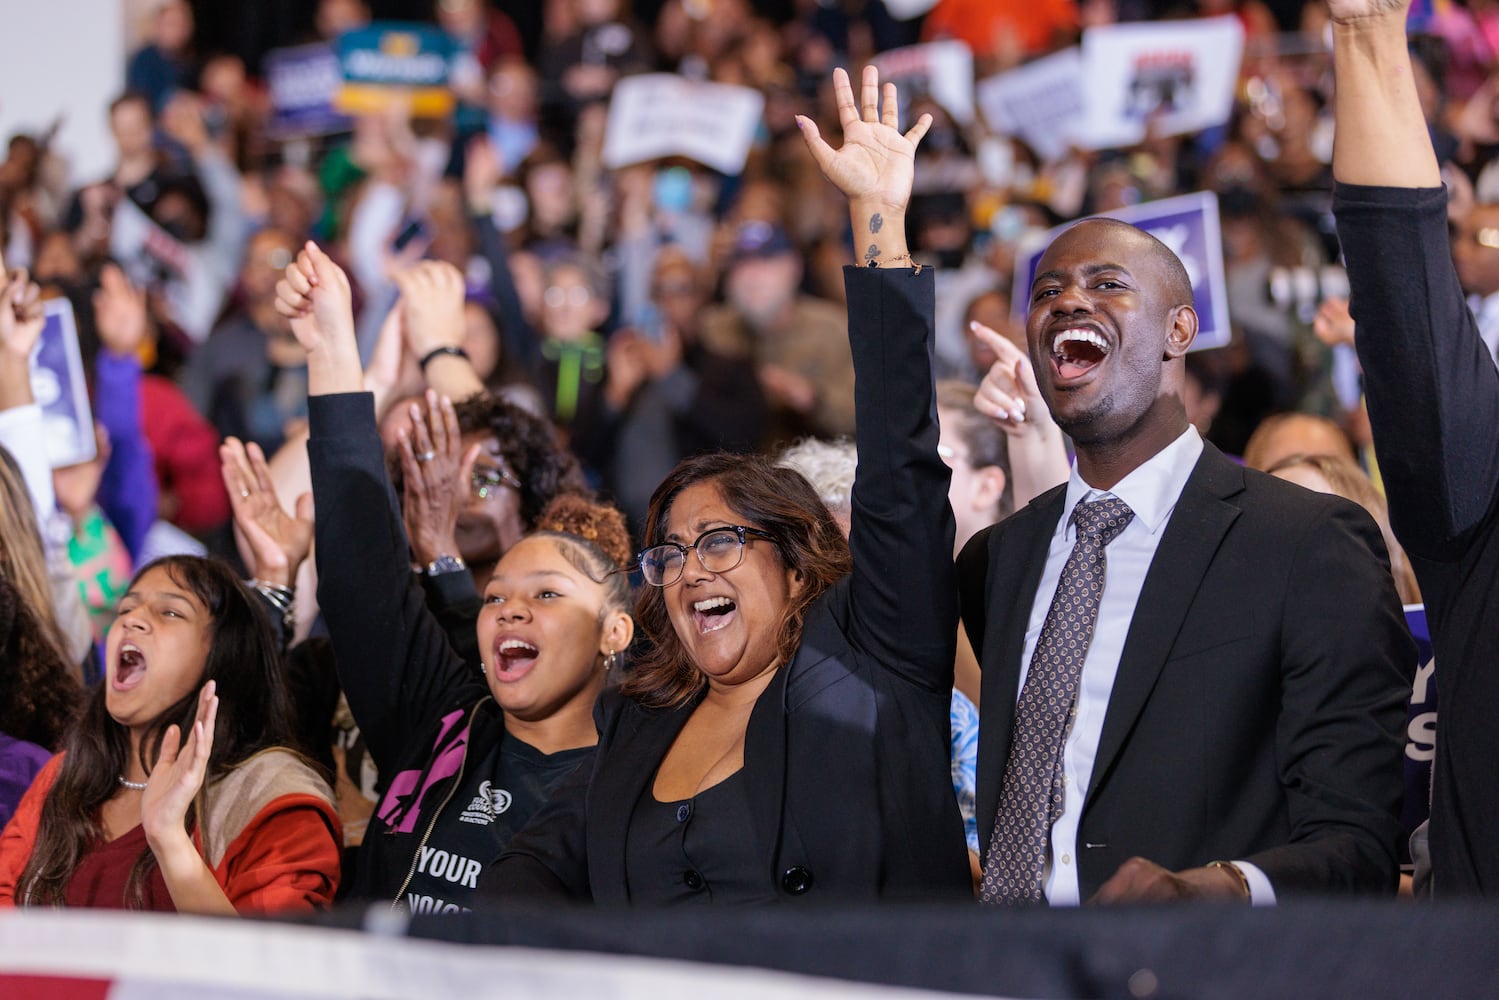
466,756
786,736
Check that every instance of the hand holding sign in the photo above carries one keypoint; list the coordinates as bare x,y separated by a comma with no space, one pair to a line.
20,312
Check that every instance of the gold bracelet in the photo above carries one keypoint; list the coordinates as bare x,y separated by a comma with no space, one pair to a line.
878,261
1238,873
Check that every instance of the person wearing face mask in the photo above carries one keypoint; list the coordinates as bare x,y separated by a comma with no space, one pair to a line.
786,738
465,757
177,789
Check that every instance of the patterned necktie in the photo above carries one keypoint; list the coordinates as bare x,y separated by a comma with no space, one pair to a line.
1032,796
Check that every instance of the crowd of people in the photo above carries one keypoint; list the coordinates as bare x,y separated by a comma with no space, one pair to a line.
471,522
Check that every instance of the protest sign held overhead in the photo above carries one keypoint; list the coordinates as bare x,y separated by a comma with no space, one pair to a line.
390,61
661,114
303,83
59,388
939,71
1040,103
1181,73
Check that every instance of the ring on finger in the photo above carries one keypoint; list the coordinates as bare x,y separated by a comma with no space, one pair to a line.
426,456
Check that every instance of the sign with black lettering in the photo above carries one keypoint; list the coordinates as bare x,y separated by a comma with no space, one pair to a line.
658,115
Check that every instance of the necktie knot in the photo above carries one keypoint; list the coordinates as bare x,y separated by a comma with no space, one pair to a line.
1102,519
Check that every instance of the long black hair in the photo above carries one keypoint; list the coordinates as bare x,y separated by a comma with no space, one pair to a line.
254,714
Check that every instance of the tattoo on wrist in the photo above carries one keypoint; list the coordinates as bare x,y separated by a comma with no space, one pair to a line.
871,255
876,222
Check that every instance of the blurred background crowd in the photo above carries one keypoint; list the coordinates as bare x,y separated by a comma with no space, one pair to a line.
662,309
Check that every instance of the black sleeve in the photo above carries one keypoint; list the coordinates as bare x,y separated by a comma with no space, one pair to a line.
903,606
521,344
455,604
1433,390
396,667
972,568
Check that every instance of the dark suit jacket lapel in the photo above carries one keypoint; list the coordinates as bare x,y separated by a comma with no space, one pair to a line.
633,755
1016,562
765,745
1200,520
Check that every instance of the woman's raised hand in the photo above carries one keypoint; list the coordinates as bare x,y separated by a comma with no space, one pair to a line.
177,778
438,471
273,543
876,162
314,295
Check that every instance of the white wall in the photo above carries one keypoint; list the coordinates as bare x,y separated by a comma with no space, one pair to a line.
63,57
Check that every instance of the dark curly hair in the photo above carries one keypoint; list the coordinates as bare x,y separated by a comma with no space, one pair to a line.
592,537
778,501
40,694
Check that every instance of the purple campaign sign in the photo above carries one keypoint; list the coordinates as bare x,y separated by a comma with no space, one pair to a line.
59,388
1420,727
302,82
1188,224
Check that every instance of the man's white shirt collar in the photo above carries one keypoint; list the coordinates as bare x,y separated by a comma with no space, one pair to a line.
1151,490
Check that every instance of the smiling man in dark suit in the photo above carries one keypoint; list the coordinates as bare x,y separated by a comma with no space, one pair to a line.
1194,675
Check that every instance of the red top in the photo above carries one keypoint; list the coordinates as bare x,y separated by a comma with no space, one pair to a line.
101,877
186,448
285,857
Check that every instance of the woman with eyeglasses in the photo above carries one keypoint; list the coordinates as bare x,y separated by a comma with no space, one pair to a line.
787,734
465,756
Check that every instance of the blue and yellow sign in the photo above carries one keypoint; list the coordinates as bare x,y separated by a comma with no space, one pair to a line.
389,61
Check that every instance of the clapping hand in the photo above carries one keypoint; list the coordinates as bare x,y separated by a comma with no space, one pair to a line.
177,778
273,543
438,471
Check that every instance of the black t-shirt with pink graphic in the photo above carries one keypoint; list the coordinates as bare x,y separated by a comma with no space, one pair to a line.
495,798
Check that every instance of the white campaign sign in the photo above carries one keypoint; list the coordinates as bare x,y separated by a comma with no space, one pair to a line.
1183,71
942,71
662,114
1040,103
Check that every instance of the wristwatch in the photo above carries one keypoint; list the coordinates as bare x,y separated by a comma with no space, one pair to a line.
445,564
